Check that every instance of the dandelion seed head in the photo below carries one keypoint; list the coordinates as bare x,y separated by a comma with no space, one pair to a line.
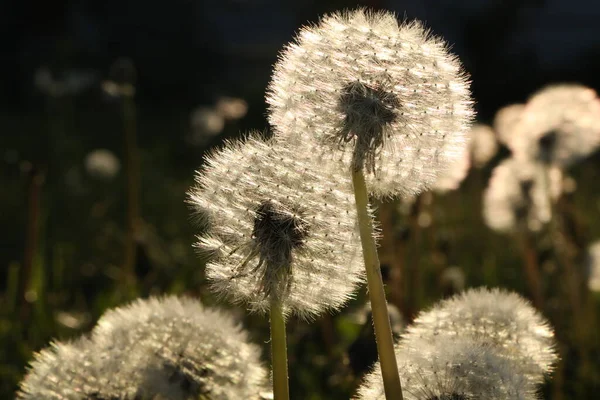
451,178
518,195
484,145
451,369
505,121
278,227
381,96
102,164
175,348
593,266
560,125
493,318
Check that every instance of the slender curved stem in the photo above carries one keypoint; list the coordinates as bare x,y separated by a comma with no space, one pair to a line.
279,352
381,319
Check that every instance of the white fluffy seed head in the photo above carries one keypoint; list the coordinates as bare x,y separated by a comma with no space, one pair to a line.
174,348
560,125
505,121
278,226
519,195
382,96
494,318
484,144
60,372
451,368
452,177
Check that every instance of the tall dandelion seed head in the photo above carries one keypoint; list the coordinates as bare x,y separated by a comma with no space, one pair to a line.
373,94
560,125
495,318
279,227
519,194
451,369
484,144
177,349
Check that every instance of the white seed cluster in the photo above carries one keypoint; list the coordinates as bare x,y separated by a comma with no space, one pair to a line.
482,344
505,121
386,97
277,226
519,195
560,125
484,144
160,348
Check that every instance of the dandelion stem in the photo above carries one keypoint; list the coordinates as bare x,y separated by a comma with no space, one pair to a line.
133,177
381,319
279,352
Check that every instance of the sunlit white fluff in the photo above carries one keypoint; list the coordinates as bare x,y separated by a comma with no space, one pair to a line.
174,348
593,266
505,121
496,318
484,144
278,227
380,95
451,368
560,125
519,195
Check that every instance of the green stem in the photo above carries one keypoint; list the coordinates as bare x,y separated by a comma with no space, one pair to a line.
381,319
279,352
133,178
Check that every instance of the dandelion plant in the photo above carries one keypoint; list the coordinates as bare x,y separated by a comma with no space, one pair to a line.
384,101
282,235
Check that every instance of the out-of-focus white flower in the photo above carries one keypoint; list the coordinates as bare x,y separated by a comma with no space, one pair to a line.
381,96
452,368
519,194
205,124
453,279
451,178
593,266
72,83
560,125
102,164
279,227
492,318
231,107
484,145
504,124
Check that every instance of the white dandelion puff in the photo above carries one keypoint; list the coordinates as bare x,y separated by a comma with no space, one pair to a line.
519,194
278,227
505,121
62,371
385,96
451,369
496,318
102,164
593,266
175,348
484,144
560,125
451,178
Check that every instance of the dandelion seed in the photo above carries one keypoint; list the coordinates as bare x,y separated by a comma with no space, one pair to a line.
279,228
492,318
517,195
175,348
452,369
102,164
388,98
560,125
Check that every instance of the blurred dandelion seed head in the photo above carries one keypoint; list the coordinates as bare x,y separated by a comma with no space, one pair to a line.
593,266
560,125
493,318
102,164
386,97
519,194
505,121
277,226
484,145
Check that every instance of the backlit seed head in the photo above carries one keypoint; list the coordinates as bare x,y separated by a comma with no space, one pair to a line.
560,125
518,195
278,227
451,368
492,318
174,348
484,145
373,94
505,121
